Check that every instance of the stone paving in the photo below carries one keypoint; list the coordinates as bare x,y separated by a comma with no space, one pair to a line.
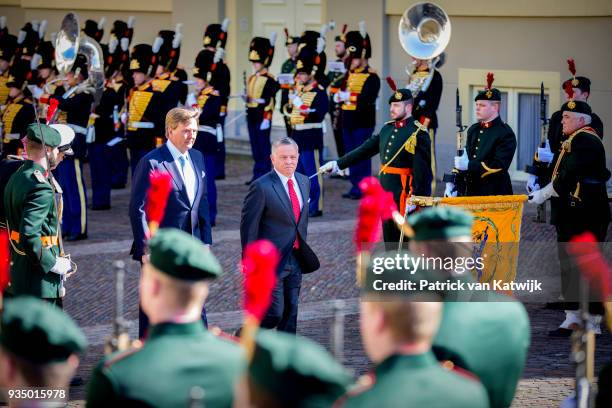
548,376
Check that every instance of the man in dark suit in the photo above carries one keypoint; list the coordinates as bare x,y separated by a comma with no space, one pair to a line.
187,207
276,209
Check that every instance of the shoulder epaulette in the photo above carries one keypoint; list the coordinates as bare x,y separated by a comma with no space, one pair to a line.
389,122
122,355
39,176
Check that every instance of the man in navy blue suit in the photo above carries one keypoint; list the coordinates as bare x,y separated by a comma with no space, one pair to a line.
187,207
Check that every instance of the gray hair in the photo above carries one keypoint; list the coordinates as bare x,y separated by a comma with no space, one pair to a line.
285,141
587,118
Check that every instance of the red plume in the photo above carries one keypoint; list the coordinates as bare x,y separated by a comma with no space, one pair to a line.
490,79
367,232
157,198
594,268
259,267
344,27
4,260
391,83
370,187
53,104
571,65
569,90
286,32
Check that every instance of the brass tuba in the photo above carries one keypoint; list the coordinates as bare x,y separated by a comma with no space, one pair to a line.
70,42
424,32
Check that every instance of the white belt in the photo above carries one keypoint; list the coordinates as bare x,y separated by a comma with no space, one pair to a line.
78,129
13,136
306,126
207,129
141,125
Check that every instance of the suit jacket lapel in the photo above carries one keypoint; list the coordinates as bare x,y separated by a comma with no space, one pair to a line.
303,184
198,175
172,168
277,185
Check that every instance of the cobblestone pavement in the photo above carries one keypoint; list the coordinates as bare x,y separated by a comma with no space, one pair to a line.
547,378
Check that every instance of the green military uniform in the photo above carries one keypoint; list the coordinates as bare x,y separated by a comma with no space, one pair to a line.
415,380
176,356
490,148
32,223
405,155
294,372
38,332
485,333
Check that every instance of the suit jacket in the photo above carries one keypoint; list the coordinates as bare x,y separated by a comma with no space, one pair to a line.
267,214
180,214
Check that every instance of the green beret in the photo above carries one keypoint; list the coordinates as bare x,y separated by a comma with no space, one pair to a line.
39,332
492,94
401,95
52,136
296,370
441,223
576,107
182,256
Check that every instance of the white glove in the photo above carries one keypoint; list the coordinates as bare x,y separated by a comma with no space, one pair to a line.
265,124
297,101
540,196
450,190
532,183
410,208
35,91
191,100
544,153
62,266
124,118
329,167
461,162
341,96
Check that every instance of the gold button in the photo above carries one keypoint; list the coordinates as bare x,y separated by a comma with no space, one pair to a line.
395,130
481,131
474,156
476,147
393,137
387,150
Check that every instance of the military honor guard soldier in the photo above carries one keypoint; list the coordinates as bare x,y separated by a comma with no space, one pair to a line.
215,39
8,47
261,91
209,101
579,183
358,99
489,150
179,354
336,79
288,67
309,107
404,147
18,112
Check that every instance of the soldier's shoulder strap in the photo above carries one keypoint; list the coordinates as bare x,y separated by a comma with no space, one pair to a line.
38,176
122,355
363,384
160,85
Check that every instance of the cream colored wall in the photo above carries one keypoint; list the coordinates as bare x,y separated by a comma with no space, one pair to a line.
14,17
518,44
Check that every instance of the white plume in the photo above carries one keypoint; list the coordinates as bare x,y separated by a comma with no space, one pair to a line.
176,42
324,29
320,45
273,38
157,43
21,37
42,29
112,45
332,25
362,28
35,61
130,22
225,24
178,28
101,22
2,22
125,43
53,37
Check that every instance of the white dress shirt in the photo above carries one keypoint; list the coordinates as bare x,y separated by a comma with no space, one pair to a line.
185,168
296,187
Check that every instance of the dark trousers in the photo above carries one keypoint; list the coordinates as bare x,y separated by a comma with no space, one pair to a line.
570,272
101,178
220,154
210,166
308,164
353,138
260,148
337,128
118,165
70,178
283,310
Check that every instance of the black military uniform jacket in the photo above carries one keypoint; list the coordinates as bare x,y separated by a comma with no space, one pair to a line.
426,102
261,90
490,149
75,111
288,67
113,99
209,103
359,111
410,141
308,126
579,178
221,82
16,117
